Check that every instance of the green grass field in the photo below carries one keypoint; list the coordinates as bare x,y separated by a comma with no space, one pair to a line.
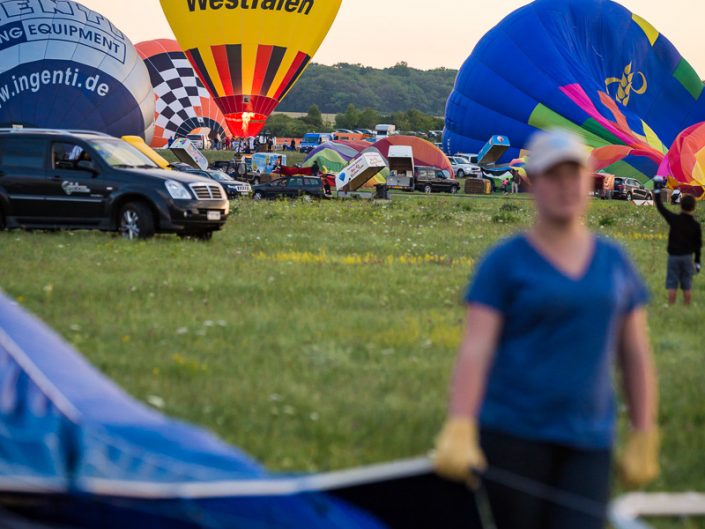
321,336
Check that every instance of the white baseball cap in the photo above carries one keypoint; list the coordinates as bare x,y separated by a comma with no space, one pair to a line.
552,147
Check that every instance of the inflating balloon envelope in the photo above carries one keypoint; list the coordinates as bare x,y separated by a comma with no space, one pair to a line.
590,66
65,66
249,54
183,105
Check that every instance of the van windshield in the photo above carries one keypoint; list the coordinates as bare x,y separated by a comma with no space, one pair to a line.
118,153
311,137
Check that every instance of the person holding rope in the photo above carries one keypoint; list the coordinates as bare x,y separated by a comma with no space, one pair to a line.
532,396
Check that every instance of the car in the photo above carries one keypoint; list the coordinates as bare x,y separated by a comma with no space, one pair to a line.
233,188
434,180
59,179
630,189
314,139
472,158
306,187
463,168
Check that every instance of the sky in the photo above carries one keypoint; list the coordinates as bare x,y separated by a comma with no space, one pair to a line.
424,33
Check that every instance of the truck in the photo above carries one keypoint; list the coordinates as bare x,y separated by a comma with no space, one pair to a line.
384,130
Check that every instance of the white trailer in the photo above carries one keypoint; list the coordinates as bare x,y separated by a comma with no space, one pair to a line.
401,168
384,130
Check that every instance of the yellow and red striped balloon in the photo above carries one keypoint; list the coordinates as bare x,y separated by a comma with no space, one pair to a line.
250,53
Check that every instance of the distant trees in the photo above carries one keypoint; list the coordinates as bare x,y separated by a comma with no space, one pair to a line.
395,89
361,97
411,120
288,127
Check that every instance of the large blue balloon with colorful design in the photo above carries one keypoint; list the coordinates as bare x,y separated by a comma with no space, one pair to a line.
587,65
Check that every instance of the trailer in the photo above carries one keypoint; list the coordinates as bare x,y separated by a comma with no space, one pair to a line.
401,168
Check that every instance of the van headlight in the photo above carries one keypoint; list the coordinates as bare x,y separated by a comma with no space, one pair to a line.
177,191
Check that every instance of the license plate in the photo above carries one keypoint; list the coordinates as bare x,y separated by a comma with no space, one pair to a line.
214,215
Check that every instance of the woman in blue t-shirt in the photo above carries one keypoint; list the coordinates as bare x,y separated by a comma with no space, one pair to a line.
532,400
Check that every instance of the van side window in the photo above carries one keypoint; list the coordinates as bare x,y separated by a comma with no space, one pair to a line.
67,155
22,153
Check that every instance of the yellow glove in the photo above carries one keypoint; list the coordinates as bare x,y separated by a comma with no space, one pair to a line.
458,452
638,463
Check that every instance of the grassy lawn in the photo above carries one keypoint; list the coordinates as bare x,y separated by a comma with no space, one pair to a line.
321,336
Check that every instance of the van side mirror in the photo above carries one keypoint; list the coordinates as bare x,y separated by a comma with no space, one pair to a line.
87,165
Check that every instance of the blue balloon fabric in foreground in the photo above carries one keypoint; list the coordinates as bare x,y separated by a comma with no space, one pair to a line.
69,432
591,66
63,65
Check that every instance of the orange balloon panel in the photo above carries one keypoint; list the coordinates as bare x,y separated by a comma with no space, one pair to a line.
183,104
250,53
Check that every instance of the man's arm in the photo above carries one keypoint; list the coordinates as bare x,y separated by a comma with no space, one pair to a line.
698,244
663,210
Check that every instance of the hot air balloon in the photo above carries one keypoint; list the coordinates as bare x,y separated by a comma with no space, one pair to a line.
183,105
63,65
250,54
425,153
684,165
590,66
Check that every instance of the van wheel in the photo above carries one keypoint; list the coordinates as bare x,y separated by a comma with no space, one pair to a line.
454,190
136,221
461,174
428,189
629,197
257,196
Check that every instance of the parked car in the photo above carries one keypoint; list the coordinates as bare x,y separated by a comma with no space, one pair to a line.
462,167
630,189
314,139
55,179
233,188
472,158
306,187
434,180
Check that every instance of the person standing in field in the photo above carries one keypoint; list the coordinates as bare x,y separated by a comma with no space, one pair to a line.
532,394
516,181
685,242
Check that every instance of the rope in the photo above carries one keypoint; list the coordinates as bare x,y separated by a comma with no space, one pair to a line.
562,498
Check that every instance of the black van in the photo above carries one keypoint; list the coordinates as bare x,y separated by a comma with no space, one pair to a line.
434,180
55,179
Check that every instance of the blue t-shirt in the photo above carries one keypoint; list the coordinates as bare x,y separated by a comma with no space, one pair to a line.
551,379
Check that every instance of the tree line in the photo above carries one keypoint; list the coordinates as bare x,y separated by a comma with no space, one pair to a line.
353,118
